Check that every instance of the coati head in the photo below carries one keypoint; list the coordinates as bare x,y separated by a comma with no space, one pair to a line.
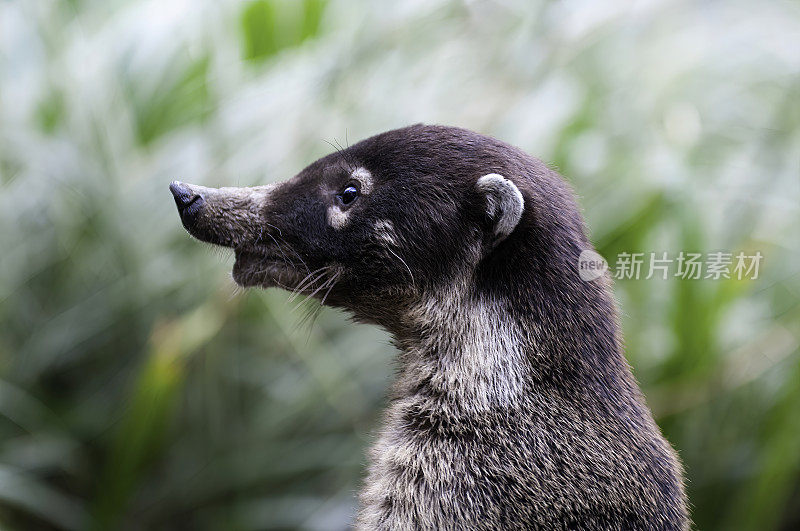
388,223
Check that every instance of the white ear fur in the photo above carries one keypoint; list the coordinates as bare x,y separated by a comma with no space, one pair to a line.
504,203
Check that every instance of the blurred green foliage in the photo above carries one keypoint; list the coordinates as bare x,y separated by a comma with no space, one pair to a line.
269,26
139,389
180,96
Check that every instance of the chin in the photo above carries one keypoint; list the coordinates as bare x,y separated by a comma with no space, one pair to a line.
255,271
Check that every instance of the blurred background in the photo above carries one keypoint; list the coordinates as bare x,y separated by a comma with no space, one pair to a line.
139,389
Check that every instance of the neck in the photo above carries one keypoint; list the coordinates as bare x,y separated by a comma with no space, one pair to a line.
464,349
475,351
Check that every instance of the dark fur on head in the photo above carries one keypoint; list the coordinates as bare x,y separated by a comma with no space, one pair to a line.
514,406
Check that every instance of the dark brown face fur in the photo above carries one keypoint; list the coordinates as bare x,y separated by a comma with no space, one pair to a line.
415,225
417,218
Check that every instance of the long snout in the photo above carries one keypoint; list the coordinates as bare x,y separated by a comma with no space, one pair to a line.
231,217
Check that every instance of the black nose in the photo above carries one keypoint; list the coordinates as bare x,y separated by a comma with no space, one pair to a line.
186,200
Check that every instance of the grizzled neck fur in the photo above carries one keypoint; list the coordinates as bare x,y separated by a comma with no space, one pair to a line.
463,347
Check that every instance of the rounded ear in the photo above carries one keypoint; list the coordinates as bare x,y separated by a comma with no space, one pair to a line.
504,204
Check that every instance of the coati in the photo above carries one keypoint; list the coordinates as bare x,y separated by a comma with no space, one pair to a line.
514,407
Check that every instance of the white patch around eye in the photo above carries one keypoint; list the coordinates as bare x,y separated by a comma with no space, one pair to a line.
337,218
364,177
384,230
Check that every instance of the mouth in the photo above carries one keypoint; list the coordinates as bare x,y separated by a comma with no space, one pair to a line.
263,270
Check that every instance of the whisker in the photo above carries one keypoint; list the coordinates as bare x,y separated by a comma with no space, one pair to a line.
310,317
342,153
299,284
405,264
280,250
297,255
237,290
285,244
280,232
322,286
301,323
335,278
314,312
309,296
350,166
305,285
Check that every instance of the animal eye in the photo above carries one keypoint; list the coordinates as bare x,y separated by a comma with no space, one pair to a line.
349,195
